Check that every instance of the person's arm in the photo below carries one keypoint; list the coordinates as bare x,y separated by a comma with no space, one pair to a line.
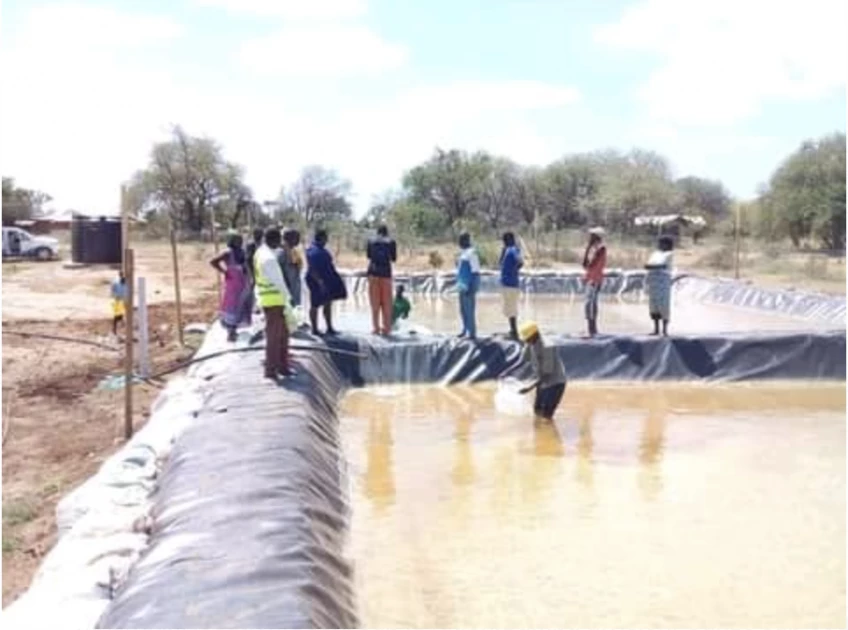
393,250
216,262
368,250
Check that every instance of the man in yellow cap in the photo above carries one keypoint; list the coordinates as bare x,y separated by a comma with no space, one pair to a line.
549,371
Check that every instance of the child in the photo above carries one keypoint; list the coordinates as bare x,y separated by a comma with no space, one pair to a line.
658,281
549,372
400,308
119,297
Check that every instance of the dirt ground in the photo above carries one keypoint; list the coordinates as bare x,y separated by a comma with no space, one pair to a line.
59,426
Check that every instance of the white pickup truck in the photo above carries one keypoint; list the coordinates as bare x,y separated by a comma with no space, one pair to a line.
18,243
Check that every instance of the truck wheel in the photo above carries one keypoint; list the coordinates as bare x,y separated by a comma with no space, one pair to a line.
43,253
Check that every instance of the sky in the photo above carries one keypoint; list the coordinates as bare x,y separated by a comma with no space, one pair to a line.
724,89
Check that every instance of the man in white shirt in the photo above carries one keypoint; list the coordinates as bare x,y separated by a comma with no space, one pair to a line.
273,296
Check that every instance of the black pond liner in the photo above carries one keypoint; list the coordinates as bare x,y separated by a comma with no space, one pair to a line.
251,510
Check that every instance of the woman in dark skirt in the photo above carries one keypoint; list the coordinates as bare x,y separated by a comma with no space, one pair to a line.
323,281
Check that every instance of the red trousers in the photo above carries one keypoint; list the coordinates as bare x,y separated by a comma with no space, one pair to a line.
276,342
380,296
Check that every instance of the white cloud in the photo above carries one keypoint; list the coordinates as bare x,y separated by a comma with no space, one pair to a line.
721,61
85,108
98,95
292,9
322,50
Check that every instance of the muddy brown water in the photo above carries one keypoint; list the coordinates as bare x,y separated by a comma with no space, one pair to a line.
641,506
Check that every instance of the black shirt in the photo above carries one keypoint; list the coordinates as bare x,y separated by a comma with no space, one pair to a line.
382,252
249,254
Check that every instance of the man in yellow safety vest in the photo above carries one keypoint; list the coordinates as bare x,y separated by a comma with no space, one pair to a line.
273,296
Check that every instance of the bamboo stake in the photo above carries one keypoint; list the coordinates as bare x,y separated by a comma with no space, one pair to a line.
177,299
129,274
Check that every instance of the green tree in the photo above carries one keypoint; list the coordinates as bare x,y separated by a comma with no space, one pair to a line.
638,183
187,179
805,198
21,203
320,196
452,181
703,197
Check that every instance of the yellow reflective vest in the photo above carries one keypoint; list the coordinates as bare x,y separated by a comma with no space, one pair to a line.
269,295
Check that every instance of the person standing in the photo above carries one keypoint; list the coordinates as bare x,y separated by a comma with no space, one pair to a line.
274,300
119,298
467,284
594,262
511,263
381,252
323,281
658,280
250,251
291,263
236,301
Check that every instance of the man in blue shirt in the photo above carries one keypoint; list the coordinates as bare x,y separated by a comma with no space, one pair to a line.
511,263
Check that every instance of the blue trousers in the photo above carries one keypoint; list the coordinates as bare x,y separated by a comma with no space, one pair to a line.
468,307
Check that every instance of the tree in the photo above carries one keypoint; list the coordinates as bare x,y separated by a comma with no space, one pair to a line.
21,203
805,198
187,178
318,197
499,195
451,181
634,184
704,197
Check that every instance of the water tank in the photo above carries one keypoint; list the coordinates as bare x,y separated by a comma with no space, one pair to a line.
96,241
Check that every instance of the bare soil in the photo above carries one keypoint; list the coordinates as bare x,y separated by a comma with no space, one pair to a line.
58,425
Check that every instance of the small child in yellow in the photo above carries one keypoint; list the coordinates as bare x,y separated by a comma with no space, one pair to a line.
119,298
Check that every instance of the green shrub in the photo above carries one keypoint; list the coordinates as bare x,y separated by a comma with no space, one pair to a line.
436,260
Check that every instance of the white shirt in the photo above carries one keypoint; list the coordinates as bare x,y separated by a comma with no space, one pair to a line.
267,261
470,254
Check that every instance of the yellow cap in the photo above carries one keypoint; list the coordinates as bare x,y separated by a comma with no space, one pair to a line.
527,330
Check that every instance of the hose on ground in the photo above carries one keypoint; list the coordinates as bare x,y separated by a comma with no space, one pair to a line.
85,342
213,355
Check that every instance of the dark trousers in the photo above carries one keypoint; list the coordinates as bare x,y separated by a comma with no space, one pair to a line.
547,400
276,342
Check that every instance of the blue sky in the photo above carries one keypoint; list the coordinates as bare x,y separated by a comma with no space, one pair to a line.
370,88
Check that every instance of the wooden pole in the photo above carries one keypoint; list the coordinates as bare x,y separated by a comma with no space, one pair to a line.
177,299
215,247
143,336
129,274
737,238
125,226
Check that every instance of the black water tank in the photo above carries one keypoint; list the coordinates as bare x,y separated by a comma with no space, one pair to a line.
96,241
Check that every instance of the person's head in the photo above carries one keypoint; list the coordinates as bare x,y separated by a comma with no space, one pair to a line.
509,239
257,235
596,235
235,241
382,231
273,238
291,237
528,332
321,236
665,243
400,290
465,240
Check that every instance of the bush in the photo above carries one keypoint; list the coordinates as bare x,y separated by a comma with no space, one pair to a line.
436,260
723,258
